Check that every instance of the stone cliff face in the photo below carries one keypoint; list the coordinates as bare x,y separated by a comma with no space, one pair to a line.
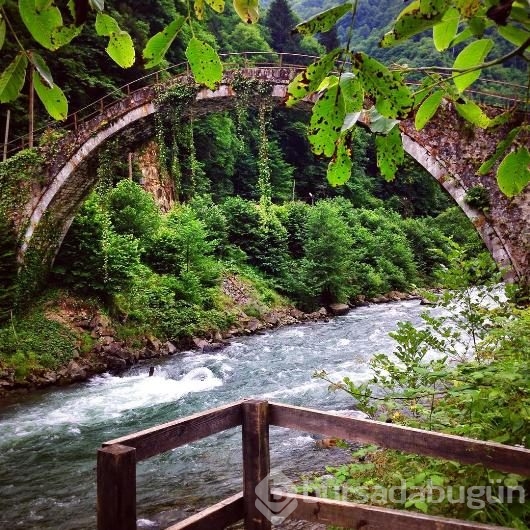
154,180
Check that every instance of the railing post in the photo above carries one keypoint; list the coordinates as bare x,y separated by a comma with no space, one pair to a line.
256,463
116,488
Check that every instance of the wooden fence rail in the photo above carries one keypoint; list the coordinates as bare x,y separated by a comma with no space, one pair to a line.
116,469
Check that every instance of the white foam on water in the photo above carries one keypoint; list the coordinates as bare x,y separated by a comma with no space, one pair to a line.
292,391
107,397
343,342
145,523
299,441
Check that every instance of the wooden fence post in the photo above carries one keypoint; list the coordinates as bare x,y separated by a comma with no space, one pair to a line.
116,488
256,463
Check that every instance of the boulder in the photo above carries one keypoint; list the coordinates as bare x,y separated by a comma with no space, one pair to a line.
116,364
296,313
200,343
212,346
254,325
170,347
339,309
153,343
424,301
75,372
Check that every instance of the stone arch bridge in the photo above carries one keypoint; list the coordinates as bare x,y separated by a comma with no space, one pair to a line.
447,147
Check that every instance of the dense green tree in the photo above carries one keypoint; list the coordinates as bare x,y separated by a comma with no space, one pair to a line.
181,247
280,20
327,265
132,210
93,258
293,216
246,38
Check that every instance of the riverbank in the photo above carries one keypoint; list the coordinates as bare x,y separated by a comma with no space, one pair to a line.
109,351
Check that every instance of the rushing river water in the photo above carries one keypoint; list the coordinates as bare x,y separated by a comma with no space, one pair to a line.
48,440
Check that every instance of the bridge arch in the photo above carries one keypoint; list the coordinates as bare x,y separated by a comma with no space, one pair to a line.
69,181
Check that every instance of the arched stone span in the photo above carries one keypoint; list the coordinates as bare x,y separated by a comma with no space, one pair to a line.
447,148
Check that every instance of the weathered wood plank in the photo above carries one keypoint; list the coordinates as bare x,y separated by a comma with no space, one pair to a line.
365,517
176,433
493,455
116,488
256,464
220,515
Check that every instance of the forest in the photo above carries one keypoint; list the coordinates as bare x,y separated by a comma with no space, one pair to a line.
240,198
249,199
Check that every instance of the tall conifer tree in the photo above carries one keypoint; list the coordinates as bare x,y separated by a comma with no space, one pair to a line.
280,21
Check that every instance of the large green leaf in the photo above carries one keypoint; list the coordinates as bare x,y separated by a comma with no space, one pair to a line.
158,44
326,122
41,23
339,168
42,68
390,153
198,7
308,81
12,78
377,123
324,21
247,10
2,32
204,62
64,34
52,98
428,109
392,97
106,25
471,112
444,32
217,5
415,18
471,56
514,172
121,49
514,35
352,92
501,148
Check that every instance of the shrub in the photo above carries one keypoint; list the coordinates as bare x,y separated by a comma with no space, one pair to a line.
93,258
428,243
326,270
181,246
132,211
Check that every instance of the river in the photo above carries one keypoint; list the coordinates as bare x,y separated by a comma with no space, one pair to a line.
48,440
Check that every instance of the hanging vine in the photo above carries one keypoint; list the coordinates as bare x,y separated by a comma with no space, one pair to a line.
250,91
264,170
171,104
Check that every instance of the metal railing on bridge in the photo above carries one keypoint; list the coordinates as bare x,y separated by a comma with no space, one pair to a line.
509,97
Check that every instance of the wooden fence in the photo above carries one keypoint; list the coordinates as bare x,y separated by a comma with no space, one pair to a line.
116,468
